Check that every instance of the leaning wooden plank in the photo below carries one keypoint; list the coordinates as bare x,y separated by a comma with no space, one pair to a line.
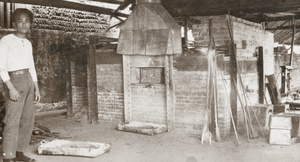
73,148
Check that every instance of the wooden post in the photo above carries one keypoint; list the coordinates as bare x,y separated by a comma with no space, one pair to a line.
186,40
292,44
69,87
169,91
5,15
233,80
92,86
261,75
127,88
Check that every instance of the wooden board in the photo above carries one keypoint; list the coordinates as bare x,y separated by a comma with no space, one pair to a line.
143,128
73,148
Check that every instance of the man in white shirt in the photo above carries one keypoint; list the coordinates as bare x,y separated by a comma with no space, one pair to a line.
21,88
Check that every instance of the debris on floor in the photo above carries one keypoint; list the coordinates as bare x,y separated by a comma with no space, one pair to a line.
143,128
41,132
73,148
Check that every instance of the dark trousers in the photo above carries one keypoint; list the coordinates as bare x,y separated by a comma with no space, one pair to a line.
19,118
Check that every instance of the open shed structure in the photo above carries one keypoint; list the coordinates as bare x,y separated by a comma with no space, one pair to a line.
165,82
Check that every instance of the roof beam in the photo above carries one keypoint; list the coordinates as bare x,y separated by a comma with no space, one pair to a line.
70,5
283,18
283,27
217,7
109,1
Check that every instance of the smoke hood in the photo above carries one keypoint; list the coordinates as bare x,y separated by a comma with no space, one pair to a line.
150,30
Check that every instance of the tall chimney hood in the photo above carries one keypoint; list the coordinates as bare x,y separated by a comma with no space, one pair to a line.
150,30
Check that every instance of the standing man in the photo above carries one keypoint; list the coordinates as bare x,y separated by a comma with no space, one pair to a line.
21,88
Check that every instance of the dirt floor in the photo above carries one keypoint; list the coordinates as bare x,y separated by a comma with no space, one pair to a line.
166,147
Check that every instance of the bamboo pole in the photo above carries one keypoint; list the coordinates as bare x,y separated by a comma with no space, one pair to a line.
244,111
255,116
208,94
212,56
254,133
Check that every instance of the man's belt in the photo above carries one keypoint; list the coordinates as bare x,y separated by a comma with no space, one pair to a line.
17,72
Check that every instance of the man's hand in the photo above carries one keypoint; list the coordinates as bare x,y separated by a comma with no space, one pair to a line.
37,96
14,94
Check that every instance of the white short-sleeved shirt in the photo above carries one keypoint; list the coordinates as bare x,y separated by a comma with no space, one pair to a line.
15,54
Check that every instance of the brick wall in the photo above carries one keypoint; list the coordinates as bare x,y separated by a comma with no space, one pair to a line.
110,87
247,37
190,97
149,104
190,93
190,73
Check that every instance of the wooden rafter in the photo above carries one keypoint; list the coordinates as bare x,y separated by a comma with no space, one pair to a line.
109,1
124,5
283,18
283,27
70,5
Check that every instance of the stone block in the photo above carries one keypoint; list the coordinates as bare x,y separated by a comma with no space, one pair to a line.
280,136
280,122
